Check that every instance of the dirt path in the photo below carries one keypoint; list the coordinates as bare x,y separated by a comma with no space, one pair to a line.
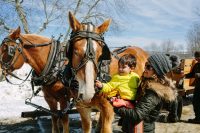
43,125
182,126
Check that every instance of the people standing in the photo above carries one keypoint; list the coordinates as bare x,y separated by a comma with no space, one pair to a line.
195,73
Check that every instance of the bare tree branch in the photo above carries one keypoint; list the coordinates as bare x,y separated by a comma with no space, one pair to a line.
168,46
75,11
53,10
2,23
9,1
87,16
49,17
90,9
22,15
193,38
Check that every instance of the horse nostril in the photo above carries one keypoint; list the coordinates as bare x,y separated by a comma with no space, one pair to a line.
91,56
80,96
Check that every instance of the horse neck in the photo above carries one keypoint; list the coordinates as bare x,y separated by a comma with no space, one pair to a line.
36,56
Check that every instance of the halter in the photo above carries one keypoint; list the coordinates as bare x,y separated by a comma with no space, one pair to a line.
89,54
19,45
10,61
11,52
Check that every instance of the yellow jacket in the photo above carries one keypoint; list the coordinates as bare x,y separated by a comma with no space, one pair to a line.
125,86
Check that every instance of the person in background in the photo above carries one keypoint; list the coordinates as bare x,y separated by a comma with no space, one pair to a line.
175,107
195,73
156,88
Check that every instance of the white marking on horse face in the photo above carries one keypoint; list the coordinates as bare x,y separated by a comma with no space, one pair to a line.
81,81
87,88
89,77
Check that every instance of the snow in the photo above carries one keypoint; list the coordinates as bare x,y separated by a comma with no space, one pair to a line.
12,97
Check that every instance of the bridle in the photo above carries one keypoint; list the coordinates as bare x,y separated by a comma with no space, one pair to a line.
19,45
10,61
89,54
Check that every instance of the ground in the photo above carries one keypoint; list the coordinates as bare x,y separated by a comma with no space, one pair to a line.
12,103
42,125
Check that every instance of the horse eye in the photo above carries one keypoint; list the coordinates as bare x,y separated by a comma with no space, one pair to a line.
4,48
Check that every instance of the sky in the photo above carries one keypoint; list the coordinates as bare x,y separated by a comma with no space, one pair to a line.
141,22
154,21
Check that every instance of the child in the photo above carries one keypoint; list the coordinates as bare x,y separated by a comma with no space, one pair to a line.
123,86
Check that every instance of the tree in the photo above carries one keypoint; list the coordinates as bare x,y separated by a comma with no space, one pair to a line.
168,46
37,16
193,35
152,47
193,38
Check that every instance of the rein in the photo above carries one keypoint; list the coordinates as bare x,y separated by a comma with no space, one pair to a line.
13,75
12,51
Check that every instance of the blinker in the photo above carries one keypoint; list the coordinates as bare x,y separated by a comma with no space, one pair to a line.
11,50
17,41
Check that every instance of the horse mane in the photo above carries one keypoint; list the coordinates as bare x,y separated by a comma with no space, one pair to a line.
33,37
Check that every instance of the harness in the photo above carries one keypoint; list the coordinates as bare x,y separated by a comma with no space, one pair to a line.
10,61
104,59
119,51
51,72
54,65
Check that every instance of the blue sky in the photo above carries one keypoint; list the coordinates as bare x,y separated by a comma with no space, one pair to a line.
154,21
141,22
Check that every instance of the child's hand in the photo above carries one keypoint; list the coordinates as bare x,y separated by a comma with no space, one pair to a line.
98,84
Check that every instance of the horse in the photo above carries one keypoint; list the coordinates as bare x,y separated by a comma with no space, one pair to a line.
42,54
86,49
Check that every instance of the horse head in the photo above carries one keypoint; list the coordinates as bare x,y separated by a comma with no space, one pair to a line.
11,51
86,48
18,48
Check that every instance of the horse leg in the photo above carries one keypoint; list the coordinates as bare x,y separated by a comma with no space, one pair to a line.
106,112
86,119
107,116
54,119
65,117
99,123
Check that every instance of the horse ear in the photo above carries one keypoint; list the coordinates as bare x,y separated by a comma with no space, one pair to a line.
104,27
15,34
74,23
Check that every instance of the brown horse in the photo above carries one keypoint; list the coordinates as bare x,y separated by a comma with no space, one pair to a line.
86,49
37,51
